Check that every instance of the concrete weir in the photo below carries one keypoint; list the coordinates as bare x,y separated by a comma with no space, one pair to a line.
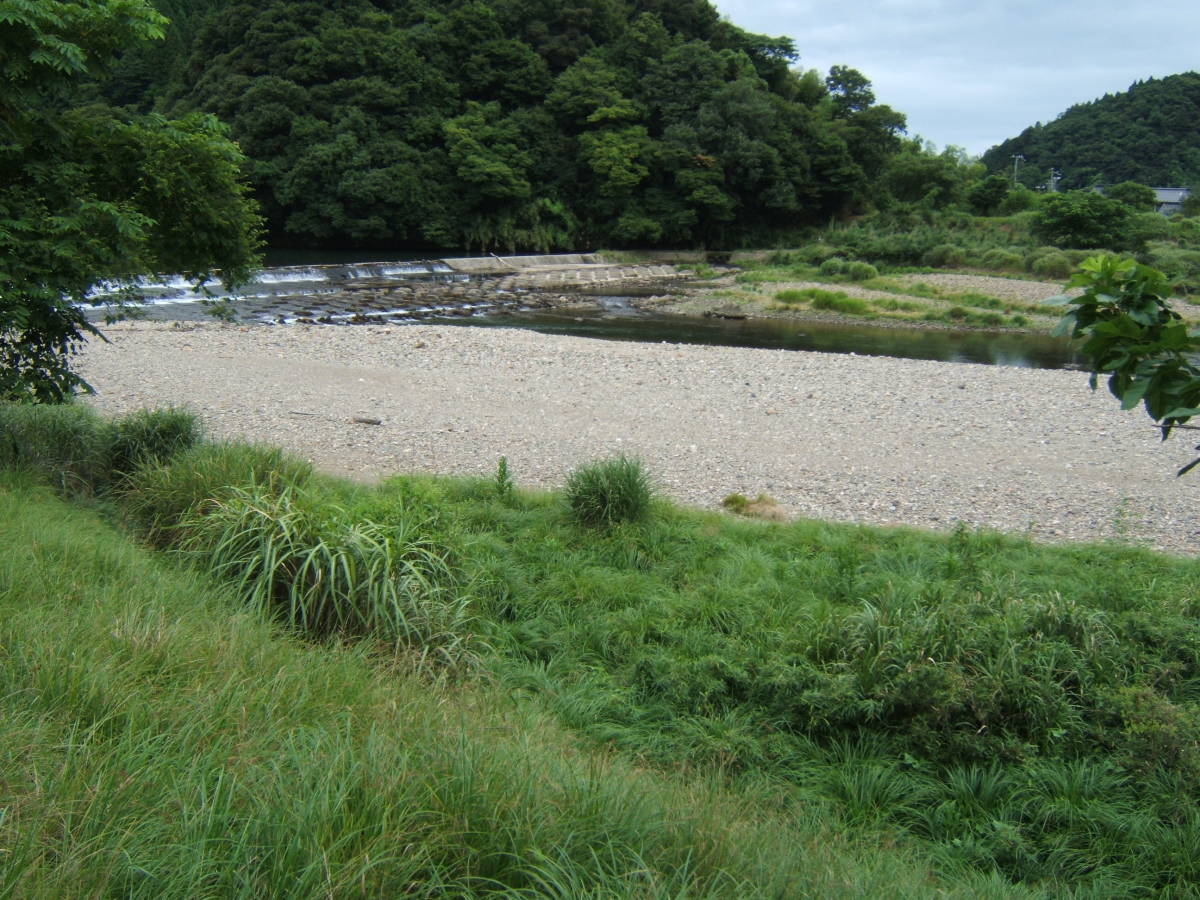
562,271
409,290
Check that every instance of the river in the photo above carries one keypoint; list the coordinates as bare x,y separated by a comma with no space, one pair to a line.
348,292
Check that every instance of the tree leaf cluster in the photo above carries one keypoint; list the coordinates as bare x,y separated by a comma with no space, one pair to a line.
1149,134
90,194
524,124
1132,335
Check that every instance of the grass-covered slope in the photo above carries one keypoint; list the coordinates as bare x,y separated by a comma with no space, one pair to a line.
156,740
1010,711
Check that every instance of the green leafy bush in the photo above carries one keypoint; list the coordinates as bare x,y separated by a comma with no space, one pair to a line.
610,491
944,256
832,267
1085,219
1132,335
861,271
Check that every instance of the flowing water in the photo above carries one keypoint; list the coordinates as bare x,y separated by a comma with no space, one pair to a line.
410,290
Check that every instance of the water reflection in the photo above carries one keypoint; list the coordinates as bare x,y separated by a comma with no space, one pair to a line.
993,348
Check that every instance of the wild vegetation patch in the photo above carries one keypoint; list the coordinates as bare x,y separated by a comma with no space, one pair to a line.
1006,707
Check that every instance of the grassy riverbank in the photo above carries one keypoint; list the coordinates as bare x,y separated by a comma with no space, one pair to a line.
962,272
685,704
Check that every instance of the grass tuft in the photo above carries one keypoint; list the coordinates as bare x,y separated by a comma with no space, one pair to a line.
151,436
609,491
159,495
66,444
322,572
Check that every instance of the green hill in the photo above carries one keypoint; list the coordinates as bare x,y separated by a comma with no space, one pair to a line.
518,123
1149,134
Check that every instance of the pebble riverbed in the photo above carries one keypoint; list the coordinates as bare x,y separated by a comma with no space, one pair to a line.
842,437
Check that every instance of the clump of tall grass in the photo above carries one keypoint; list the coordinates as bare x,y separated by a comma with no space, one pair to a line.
609,491
151,436
841,303
80,452
158,495
66,444
796,297
321,571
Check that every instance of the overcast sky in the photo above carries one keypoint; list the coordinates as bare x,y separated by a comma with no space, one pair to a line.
976,73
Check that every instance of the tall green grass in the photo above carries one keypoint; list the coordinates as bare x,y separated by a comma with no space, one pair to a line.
323,571
82,453
159,495
609,491
158,740
1015,710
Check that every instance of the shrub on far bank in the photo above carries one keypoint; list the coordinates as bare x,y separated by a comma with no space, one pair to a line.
1053,265
833,266
861,271
609,491
999,259
944,256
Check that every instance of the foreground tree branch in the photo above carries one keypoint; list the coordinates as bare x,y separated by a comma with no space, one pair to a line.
90,195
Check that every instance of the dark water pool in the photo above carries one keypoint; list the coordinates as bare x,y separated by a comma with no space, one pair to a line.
992,348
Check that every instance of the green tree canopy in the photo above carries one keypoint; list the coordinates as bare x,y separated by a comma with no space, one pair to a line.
1137,197
523,123
89,194
1147,134
1085,219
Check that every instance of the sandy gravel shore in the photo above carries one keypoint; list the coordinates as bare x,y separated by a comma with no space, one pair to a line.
851,438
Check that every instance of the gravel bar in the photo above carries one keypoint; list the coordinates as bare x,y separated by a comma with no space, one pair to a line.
849,438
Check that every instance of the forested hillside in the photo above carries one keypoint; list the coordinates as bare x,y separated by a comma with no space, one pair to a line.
1149,134
518,123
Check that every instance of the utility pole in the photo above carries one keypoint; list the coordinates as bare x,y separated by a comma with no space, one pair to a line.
1017,159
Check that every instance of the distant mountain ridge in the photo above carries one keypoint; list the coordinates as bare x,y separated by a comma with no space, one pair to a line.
1149,134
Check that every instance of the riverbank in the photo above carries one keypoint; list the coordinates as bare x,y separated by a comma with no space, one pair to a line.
932,301
848,438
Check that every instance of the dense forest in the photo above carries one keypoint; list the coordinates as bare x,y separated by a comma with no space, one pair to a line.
518,123
1150,134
